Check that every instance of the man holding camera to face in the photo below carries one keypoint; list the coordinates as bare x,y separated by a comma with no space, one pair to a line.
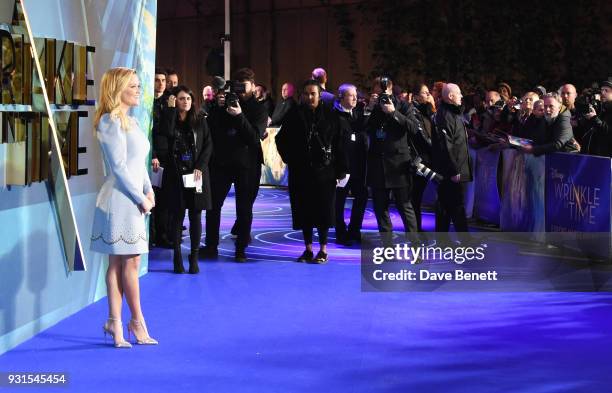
594,112
237,125
389,156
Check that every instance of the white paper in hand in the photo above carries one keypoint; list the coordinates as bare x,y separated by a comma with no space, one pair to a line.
156,177
190,182
342,182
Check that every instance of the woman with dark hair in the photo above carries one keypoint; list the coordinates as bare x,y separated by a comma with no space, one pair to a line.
310,143
190,150
423,111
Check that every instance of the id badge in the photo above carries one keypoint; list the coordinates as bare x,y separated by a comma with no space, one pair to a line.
381,134
186,157
353,137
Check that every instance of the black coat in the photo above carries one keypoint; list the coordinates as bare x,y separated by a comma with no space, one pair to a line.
597,139
355,141
558,136
237,138
449,144
312,180
160,141
268,103
281,110
390,154
423,126
180,198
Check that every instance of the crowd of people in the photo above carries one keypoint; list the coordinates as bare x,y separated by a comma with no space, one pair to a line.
389,142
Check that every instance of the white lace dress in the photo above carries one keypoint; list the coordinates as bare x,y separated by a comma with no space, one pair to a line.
118,225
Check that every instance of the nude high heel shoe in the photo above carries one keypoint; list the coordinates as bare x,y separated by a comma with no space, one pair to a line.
145,339
107,328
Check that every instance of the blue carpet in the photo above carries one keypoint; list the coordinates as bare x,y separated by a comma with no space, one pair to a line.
277,326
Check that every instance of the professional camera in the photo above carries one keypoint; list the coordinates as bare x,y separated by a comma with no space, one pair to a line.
230,89
590,98
384,98
426,172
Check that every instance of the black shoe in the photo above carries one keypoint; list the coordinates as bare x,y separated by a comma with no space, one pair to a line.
240,256
341,238
193,263
321,258
208,252
306,256
178,263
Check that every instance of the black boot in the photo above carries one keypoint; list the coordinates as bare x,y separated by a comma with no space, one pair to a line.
193,263
178,262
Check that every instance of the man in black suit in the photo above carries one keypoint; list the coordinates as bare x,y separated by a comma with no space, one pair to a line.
236,128
389,157
284,106
355,140
161,234
451,159
320,75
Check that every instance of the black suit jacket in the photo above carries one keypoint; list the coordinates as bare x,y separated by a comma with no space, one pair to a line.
281,110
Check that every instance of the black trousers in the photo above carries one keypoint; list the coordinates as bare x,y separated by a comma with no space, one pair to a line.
419,183
450,206
308,235
255,173
221,181
360,194
380,197
195,230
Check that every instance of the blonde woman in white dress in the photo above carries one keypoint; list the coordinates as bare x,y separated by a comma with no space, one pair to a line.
124,200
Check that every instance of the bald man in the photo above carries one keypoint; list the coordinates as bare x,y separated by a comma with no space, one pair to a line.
285,105
452,160
320,75
568,96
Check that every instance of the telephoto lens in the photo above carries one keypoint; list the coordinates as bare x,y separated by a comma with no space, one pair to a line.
426,172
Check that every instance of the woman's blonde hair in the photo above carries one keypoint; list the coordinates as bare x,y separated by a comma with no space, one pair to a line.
114,81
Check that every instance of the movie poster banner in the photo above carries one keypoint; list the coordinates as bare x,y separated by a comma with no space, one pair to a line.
577,193
578,198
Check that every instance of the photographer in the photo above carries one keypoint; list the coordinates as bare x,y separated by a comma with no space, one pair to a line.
310,142
595,118
389,156
237,126
422,109
190,150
